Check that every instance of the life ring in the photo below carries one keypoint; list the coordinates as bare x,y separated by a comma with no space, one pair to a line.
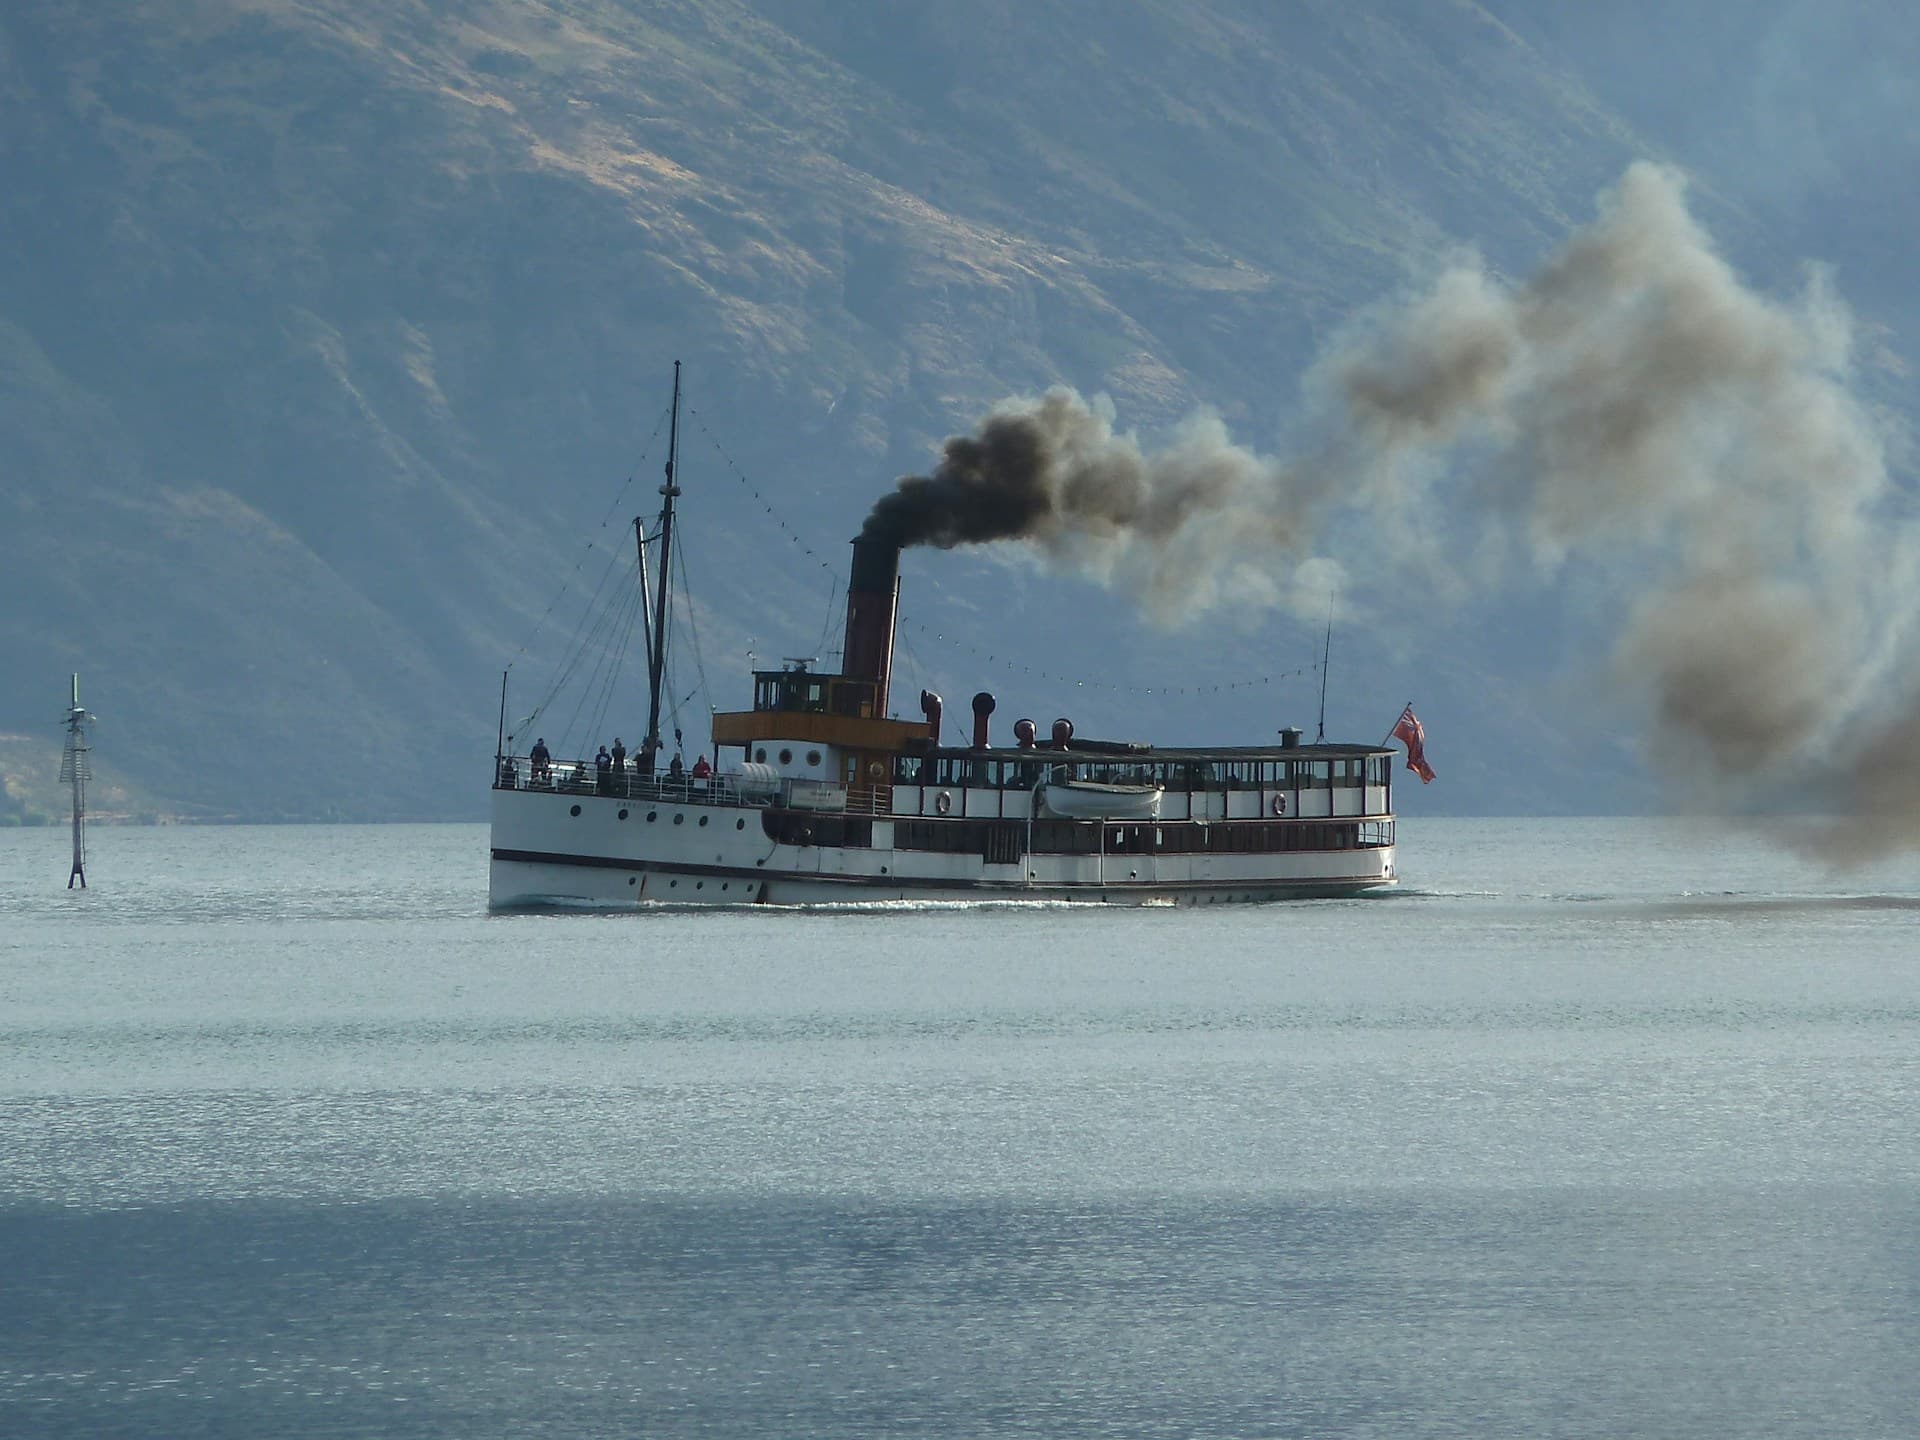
943,802
1279,804
875,770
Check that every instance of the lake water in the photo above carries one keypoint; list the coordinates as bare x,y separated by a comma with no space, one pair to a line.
1596,1128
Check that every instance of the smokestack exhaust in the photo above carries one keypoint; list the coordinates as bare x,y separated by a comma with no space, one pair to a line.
873,598
982,713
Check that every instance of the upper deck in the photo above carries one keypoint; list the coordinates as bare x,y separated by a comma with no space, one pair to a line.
1176,768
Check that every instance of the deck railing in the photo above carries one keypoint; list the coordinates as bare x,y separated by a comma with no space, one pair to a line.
517,772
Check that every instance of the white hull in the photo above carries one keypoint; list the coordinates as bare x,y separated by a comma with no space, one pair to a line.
692,853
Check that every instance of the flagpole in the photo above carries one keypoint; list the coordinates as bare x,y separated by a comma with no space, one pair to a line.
1388,737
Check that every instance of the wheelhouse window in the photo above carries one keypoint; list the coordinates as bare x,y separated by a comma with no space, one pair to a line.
803,692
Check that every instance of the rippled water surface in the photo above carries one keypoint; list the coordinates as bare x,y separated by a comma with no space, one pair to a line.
1596,1128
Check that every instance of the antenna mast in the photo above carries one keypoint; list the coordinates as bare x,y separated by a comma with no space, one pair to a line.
656,670
1326,656
76,770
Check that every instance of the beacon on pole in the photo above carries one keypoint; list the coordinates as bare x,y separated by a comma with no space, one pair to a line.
75,770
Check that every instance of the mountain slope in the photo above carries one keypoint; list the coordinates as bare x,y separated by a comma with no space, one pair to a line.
327,332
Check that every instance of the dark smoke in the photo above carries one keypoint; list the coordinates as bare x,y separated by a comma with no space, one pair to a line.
986,487
1632,404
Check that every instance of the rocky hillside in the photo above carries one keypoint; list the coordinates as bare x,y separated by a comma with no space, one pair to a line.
330,331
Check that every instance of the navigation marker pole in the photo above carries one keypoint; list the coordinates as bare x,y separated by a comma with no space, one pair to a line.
76,770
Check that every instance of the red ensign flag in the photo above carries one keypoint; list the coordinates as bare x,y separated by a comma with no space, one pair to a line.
1410,732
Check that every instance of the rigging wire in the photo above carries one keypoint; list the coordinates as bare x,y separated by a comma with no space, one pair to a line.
622,648
826,624
591,620
765,505
596,622
693,637
608,658
645,451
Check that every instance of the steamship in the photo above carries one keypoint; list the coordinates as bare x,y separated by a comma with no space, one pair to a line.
821,796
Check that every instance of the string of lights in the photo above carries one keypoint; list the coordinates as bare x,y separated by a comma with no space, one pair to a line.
975,652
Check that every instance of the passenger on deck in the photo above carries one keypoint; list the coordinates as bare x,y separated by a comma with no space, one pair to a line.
619,756
542,762
677,773
602,770
701,771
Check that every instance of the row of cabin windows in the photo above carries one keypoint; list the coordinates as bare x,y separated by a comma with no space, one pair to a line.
1066,837
808,827
965,771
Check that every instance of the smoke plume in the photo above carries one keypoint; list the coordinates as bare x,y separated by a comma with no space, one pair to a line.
1632,403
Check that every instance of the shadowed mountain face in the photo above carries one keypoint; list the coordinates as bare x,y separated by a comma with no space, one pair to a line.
328,332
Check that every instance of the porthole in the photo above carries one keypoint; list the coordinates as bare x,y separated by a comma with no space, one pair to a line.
723,884
652,815
623,814
739,824
786,757
679,819
703,819
633,879
699,884
675,884
813,757
760,755
574,811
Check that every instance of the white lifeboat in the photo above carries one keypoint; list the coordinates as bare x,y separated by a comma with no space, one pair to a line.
1097,800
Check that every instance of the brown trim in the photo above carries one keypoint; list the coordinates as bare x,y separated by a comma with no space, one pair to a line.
852,732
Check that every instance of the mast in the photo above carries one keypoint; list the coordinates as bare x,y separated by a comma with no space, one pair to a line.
500,746
646,594
656,669
76,770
